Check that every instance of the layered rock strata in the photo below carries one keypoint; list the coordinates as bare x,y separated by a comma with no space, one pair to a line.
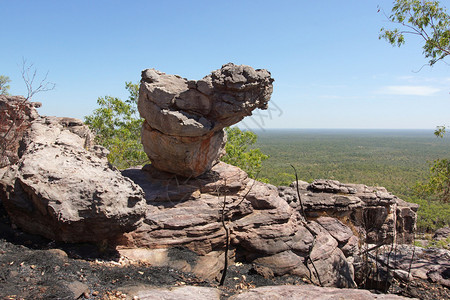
376,214
184,119
263,228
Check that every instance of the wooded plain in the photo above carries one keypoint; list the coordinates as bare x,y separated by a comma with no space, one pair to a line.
395,159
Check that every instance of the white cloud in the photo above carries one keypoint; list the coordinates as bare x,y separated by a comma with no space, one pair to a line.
409,90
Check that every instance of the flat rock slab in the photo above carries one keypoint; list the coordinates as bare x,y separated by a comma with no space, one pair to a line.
283,292
179,293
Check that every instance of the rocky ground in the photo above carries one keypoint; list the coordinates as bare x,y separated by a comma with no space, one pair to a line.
32,267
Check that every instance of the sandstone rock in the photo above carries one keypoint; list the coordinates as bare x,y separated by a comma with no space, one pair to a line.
336,228
16,115
351,247
178,293
442,233
288,292
264,229
63,191
63,188
184,119
77,289
373,212
431,264
329,261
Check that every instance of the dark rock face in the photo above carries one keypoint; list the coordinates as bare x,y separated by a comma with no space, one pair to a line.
63,188
374,212
184,119
431,264
16,115
442,233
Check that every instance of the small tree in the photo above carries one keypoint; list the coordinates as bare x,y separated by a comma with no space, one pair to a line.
431,22
4,86
117,127
437,186
239,152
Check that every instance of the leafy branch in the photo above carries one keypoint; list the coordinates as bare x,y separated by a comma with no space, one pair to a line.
426,19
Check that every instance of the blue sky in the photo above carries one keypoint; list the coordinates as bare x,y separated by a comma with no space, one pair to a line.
330,68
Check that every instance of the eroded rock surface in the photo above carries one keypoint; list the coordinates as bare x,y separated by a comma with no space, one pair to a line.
409,262
184,119
309,292
264,229
63,188
374,212
16,115
284,292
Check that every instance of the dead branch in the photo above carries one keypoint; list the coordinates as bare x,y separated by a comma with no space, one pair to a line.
227,241
298,193
29,76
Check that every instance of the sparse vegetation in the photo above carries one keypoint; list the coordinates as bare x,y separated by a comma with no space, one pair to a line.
4,86
241,154
117,127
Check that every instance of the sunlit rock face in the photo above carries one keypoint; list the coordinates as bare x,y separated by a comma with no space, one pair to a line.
184,119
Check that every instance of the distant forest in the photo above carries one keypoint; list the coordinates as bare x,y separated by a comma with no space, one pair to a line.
395,159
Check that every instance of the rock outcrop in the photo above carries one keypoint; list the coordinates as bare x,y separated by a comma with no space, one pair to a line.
263,228
184,119
375,213
63,187
408,262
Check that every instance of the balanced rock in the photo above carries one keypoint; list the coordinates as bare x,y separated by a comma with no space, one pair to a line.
184,119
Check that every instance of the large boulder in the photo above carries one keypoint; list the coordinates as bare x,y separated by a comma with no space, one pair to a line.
63,187
184,119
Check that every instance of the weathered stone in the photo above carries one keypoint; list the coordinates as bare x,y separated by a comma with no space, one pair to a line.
442,233
265,229
431,264
406,219
351,247
179,293
329,261
336,228
77,289
306,292
63,188
373,212
193,154
184,119
63,191
16,115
